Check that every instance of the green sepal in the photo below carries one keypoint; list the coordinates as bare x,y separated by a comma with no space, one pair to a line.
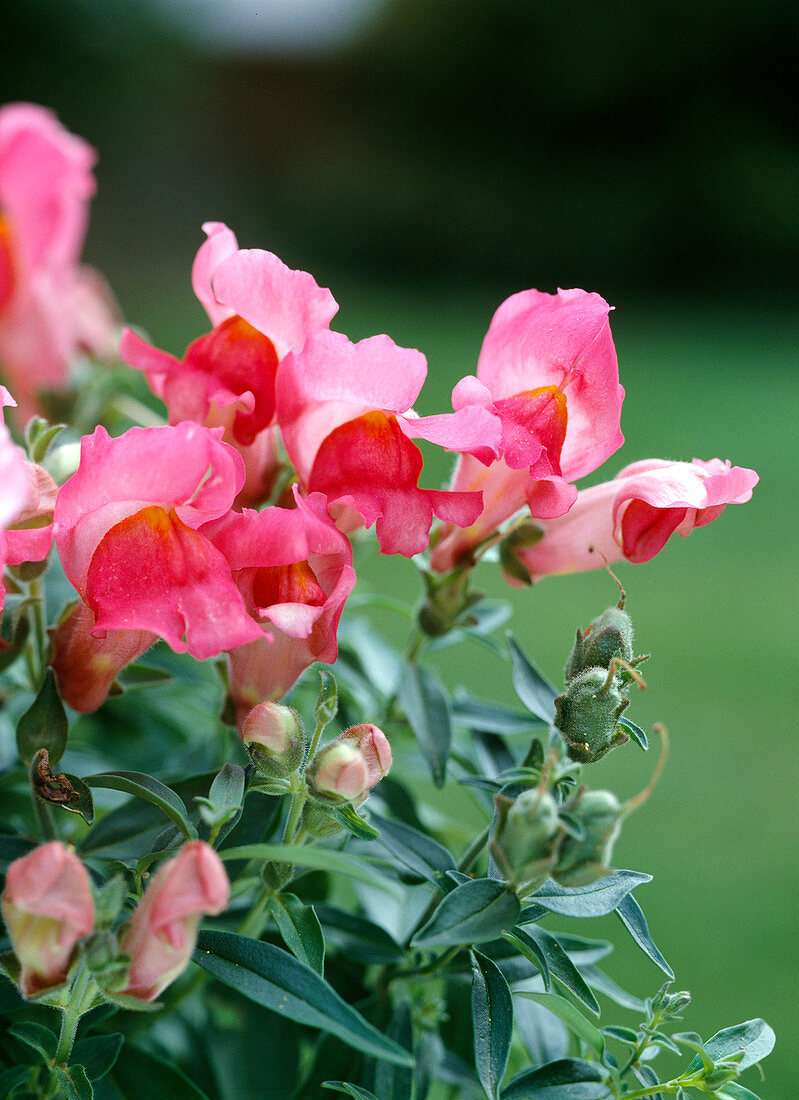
44,725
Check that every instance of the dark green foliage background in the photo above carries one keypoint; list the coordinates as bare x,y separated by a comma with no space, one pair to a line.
467,151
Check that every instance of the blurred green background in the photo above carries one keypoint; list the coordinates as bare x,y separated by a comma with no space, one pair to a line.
424,159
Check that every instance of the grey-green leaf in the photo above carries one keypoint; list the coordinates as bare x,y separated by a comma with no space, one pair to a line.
634,921
74,1083
44,725
349,1090
393,1082
476,911
97,1054
327,700
566,1079
492,1019
299,926
419,853
427,708
136,1071
594,900
571,1016
754,1038
278,981
531,686
638,735
543,947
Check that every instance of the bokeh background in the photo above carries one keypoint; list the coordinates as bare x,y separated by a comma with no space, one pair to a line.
426,158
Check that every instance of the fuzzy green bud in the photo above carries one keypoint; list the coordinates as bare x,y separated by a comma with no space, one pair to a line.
525,834
586,858
275,738
588,715
609,635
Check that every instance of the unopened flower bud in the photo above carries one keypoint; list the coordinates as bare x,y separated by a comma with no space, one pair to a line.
374,748
609,635
274,737
588,715
586,858
525,834
47,906
339,772
163,929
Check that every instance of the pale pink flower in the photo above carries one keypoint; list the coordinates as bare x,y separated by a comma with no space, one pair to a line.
548,371
260,310
50,307
634,515
374,746
346,419
47,905
162,932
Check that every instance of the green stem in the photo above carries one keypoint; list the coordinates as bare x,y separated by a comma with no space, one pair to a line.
474,850
71,1015
298,796
44,818
255,921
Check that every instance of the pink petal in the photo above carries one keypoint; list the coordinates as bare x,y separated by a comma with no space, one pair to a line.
221,242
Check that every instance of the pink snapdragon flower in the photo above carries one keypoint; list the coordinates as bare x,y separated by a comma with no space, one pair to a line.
346,420
548,371
47,905
293,569
163,929
634,515
129,530
260,310
27,499
50,307
347,768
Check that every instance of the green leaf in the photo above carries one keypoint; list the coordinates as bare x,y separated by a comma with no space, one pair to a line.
320,859
137,1072
393,1082
566,1079
426,706
733,1091
634,921
599,981
37,1036
74,1083
490,718
16,643
542,946
357,937
14,847
594,900
39,434
150,790
97,1054
83,804
44,725
621,1034
571,1016
754,1039
638,735
478,910
278,981
531,686
492,1020
419,853
352,821
224,799
299,926
141,675
350,1090
327,701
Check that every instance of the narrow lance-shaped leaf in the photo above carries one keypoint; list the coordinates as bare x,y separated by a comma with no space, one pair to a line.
349,1090
594,900
44,725
492,1020
136,1072
633,918
566,1079
320,859
327,700
299,926
419,853
544,948
531,686
427,709
571,1016
149,789
278,981
475,912
394,1082
638,735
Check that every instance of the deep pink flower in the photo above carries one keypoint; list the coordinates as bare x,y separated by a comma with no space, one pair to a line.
47,906
50,307
163,929
260,310
548,370
346,420
128,526
294,571
634,515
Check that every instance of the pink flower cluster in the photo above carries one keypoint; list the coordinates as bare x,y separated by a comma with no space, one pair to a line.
164,532
48,908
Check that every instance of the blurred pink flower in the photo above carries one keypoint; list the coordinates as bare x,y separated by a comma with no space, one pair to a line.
374,746
260,310
548,371
346,420
47,906
162,932
294,571
634,515
50,307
